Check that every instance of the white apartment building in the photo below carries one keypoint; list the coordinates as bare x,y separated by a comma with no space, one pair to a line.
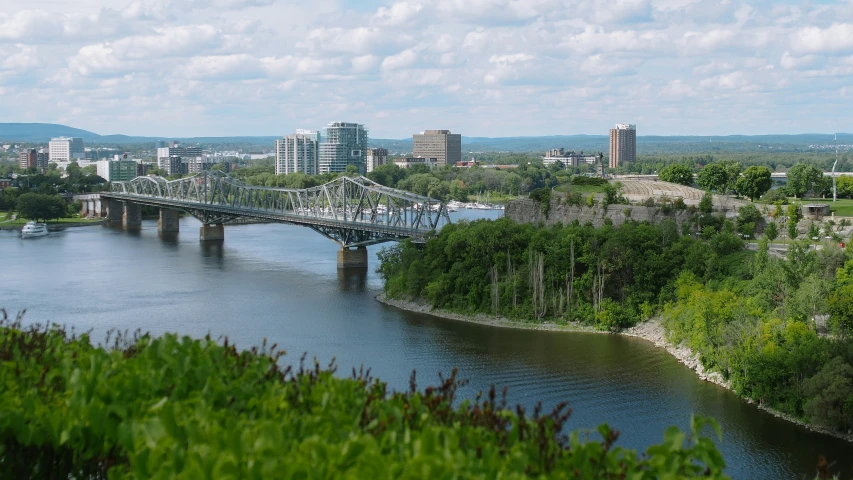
407,162
65,149
299,152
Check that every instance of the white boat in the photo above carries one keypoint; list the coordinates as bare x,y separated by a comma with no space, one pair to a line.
33,229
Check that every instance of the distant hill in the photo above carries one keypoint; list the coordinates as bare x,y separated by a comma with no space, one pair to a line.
648,144
43,132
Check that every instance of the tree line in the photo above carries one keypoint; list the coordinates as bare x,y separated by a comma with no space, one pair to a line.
729,177
447,183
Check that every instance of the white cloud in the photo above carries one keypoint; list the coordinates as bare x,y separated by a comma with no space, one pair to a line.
485,67
406,58
838,37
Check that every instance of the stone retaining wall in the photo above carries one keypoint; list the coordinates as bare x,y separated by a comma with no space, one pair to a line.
525,210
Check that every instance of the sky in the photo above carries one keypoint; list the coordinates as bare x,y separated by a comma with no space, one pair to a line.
179,68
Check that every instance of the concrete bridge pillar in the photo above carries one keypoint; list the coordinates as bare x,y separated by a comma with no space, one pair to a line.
168,221
99,212
132,215
115,211
84,208
212,233
352,258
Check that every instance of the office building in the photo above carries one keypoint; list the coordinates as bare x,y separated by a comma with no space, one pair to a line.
407,162
343,144
120,170
66,149
176,160
623,144
568,158
375,157
28,158
42,160
439,144
299,152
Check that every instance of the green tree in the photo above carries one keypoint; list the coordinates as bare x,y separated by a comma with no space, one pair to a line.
754,182
733,170
771,232
748,218
830,395
677,173
38,206
802,178
713,177
706,205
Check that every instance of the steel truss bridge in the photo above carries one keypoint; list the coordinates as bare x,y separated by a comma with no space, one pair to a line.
353,211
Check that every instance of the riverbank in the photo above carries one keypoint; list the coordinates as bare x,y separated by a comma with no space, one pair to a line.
57,226
411,305
651,331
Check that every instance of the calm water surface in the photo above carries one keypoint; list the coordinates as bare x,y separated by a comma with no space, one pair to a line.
281,282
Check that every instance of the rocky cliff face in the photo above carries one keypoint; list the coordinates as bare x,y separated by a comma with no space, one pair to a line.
527,211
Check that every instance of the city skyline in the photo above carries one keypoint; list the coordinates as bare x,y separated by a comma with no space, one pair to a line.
487,68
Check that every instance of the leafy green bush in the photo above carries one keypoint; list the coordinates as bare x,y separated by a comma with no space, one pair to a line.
584,180
173,407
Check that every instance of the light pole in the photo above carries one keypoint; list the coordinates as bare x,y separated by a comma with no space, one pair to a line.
834,193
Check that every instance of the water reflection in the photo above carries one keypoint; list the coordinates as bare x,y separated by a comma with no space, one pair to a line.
212,249
352,279
169,238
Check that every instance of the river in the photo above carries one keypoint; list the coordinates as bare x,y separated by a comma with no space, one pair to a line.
281,283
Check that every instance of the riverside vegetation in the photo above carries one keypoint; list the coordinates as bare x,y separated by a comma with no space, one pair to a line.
750,316
174,407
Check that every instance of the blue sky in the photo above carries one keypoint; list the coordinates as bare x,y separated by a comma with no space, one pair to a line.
478,67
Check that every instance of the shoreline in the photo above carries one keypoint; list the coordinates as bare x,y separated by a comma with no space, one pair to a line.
53,227
650,330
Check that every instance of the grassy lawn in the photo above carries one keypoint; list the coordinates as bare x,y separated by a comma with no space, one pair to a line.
843,207
582,189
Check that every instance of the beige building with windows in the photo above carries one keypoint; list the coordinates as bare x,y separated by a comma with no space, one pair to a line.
442,145
375,157
623,144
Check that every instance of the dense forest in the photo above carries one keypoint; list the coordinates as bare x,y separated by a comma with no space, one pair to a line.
760,321
174,407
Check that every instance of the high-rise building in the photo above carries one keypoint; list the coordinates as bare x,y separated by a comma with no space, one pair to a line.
343,144
623,144
176,160
66,149
375,157
28,159
299,152
42,160
439,144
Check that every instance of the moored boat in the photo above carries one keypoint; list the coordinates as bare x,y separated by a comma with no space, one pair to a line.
33,229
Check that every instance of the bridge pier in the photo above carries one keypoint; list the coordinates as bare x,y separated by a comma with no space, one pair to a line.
352,258
132,217
212,233
115,211
168,221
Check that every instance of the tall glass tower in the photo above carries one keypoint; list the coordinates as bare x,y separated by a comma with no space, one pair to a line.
343,144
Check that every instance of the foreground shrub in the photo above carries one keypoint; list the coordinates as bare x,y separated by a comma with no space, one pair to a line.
174,407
